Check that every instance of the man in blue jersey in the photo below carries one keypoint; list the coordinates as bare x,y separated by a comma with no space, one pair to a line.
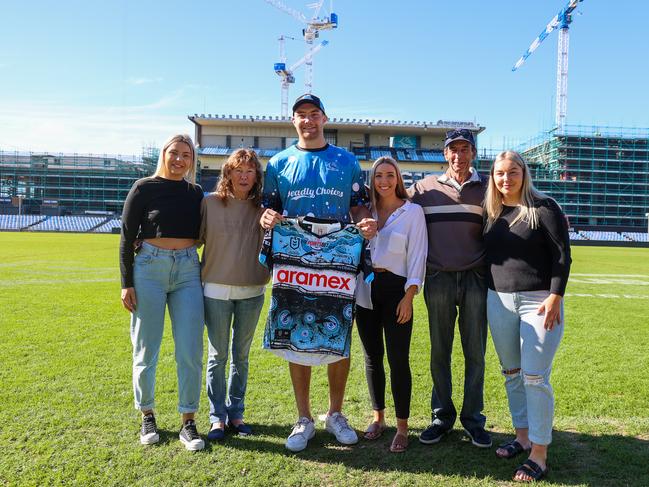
314,178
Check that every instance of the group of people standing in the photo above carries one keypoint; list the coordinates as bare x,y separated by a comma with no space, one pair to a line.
485,250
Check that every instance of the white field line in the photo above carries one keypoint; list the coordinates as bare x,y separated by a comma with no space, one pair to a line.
607,279
621,282
646,276
606,296
47,282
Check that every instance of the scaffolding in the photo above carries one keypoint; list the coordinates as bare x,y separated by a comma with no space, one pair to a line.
599,175
68,184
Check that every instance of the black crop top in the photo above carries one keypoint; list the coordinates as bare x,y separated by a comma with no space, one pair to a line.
157,208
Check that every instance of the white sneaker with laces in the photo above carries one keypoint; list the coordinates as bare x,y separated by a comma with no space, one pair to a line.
189,436
302,432
337,425
149,431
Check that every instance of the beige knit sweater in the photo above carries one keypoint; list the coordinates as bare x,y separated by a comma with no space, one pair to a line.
232,237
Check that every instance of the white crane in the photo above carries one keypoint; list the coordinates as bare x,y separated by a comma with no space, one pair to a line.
310,32
561,20
286,74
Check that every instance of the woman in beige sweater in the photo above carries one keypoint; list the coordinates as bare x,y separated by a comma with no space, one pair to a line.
234,283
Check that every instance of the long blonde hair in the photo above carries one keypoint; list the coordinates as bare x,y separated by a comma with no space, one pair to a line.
191,174
493,201
400,190
238,158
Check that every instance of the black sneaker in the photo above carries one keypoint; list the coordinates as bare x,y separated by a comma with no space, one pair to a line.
190,437
433,434
149,431
479,437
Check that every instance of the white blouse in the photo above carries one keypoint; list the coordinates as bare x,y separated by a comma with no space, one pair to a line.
400,247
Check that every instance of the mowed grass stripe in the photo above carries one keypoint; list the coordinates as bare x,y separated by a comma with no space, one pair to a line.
67,404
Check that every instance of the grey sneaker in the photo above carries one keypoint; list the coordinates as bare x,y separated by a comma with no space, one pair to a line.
302,432
337,425
149,431
189,436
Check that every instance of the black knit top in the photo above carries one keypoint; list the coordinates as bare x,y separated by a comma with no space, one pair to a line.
522,259
157,208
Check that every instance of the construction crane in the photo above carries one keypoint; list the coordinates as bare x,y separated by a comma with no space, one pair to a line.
286,74
562,20
310,33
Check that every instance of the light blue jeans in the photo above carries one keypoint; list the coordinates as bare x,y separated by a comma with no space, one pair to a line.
167,278
220,315
526,350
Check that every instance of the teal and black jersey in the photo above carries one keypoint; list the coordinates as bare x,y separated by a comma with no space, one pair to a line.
323,183
314,267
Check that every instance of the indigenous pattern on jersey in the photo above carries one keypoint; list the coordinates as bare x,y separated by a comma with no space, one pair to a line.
323,183
314,266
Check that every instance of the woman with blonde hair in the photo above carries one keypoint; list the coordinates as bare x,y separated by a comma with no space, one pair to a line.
234,283
162,214
385,307
528,257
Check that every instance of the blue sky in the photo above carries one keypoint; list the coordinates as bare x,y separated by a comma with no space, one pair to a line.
112,76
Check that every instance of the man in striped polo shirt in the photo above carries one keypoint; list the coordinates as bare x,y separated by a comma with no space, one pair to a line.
455,286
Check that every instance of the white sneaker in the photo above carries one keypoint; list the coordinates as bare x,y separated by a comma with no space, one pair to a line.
302,432
149,431
337,425
189,436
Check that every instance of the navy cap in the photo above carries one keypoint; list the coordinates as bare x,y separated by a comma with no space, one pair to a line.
459,134
309,98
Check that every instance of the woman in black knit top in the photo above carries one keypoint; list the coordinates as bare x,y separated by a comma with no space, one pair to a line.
528,256
162,214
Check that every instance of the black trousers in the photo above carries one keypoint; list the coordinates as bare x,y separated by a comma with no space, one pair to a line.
373,324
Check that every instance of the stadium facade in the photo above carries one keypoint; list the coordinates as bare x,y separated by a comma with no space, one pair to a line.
417,146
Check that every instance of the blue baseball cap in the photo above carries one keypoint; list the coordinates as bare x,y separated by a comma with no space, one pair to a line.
459,134
309,98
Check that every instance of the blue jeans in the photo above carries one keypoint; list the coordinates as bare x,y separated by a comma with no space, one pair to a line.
525,349
218,320
167,278
446,294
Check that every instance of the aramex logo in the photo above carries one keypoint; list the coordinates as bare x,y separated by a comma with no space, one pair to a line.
313,279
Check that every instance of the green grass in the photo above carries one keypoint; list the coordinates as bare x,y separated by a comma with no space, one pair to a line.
66,402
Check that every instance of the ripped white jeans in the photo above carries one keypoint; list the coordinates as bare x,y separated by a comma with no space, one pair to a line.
525,350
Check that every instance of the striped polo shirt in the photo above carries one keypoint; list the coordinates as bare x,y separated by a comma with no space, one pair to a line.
453,219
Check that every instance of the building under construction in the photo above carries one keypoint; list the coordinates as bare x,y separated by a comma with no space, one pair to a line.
599,175
68,184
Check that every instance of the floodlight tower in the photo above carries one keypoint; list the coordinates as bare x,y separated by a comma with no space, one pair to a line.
286,74
562,20
310,32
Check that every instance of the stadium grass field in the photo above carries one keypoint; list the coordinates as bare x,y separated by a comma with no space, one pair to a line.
67,414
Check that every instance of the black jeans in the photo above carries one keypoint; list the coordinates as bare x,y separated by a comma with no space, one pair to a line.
387,291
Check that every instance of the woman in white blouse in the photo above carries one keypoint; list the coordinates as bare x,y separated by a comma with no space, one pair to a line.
385,307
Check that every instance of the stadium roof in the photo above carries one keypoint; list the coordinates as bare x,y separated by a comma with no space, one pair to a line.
393,126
